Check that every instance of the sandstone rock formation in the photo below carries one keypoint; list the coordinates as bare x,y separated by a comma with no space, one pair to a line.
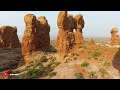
115,39
66,38
8,37
79,25
36,36
92,41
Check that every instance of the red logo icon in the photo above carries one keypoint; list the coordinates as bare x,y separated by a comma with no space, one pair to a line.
6,74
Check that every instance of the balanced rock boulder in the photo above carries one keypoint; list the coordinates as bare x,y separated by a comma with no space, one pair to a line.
115,39
8,37
66,38
36,36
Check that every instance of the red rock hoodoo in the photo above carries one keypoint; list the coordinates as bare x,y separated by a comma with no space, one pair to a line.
66,38
79,25
115,39
8,37
36,36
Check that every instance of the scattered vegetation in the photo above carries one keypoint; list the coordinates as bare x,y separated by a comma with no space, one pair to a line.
52,58
92,75
65,56
85,64
74,58
81,46
75,54
103,72
106,64
68,60
95,54
43,59
79,76
38,70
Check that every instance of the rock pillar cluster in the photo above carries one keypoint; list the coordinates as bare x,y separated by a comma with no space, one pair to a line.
36,36
67,38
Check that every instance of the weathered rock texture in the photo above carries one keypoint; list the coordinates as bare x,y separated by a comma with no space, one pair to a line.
8,37
66,38
36,36
92,41
115,39
79,25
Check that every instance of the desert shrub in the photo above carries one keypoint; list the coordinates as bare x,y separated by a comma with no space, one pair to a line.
89,52
52,63
33,72
36,72
106,63
103,72
52,58
85,64
68,60
79,76
43,59
74,58
92,75
65,56
75,54
81,46
95,54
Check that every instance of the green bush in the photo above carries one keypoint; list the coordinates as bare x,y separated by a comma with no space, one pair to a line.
68,60
52,58
65,56
74,58
75,54
36,72
103,72
85,64
33,72
106,63
81,46
92,75
95,54
43,59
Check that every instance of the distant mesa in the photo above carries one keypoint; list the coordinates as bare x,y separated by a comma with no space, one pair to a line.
115,39
9,37
66,38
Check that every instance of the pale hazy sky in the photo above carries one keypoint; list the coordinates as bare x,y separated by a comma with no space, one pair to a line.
97,23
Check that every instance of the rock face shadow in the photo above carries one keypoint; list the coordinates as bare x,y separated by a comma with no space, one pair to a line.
116,60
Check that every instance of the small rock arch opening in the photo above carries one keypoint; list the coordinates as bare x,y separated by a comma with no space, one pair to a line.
74,30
